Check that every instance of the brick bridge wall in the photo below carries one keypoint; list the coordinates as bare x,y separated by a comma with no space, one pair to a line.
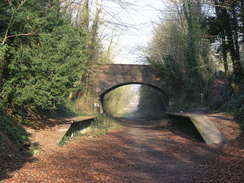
106,76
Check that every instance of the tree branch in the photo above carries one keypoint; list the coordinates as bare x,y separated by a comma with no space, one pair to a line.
18,35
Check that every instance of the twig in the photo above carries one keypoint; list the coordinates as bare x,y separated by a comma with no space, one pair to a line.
18,35
11,20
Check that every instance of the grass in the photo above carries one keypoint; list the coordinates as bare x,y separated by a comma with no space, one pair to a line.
35,149
99,126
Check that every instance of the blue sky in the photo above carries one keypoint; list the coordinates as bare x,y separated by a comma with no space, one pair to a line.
131,27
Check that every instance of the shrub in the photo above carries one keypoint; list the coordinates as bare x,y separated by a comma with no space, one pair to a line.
12,130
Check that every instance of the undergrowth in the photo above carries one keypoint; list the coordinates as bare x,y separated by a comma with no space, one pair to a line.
83,105
101,125
236,107
78,108
11,129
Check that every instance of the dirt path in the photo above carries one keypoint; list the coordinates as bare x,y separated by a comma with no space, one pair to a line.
128,155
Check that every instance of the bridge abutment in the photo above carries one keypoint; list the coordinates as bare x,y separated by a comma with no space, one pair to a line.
105,77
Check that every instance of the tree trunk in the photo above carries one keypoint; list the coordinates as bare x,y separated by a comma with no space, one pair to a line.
2,63
191,55
231,30
242,18
236,48
221,19
224,52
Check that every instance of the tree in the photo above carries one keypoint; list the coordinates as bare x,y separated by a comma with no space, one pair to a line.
181,50
242,17
226,25
43,55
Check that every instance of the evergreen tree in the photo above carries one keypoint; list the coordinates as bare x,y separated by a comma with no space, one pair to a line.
226,25
42,55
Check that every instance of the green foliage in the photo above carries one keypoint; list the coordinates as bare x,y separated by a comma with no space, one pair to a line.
236,106
83,105
181,52
100,125
10,128
3,50
226,28
45,59
63,141
43,74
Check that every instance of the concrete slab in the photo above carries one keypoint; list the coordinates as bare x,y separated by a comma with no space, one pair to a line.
205,127
78,119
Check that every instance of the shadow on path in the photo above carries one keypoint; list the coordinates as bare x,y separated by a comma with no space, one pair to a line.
12,157
134,153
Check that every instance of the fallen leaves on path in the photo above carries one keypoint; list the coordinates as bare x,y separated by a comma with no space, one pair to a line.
131,155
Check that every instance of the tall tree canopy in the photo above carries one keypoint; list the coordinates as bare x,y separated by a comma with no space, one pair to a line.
182,45
43,56
226,26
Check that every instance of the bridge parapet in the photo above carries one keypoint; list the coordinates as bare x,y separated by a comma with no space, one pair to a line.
105,77
109,75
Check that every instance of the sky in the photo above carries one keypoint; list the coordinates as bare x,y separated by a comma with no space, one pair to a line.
131,25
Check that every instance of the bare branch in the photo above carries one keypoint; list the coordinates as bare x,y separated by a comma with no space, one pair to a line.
20,35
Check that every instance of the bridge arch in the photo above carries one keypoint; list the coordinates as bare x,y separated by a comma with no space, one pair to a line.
104,92
106,77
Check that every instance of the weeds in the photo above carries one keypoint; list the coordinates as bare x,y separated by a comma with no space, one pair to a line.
12,130
236,107
98,126
101,126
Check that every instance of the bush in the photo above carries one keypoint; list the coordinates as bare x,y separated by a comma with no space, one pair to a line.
12,130
236,106
41,68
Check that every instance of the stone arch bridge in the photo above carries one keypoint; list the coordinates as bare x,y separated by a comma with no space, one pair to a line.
106,77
